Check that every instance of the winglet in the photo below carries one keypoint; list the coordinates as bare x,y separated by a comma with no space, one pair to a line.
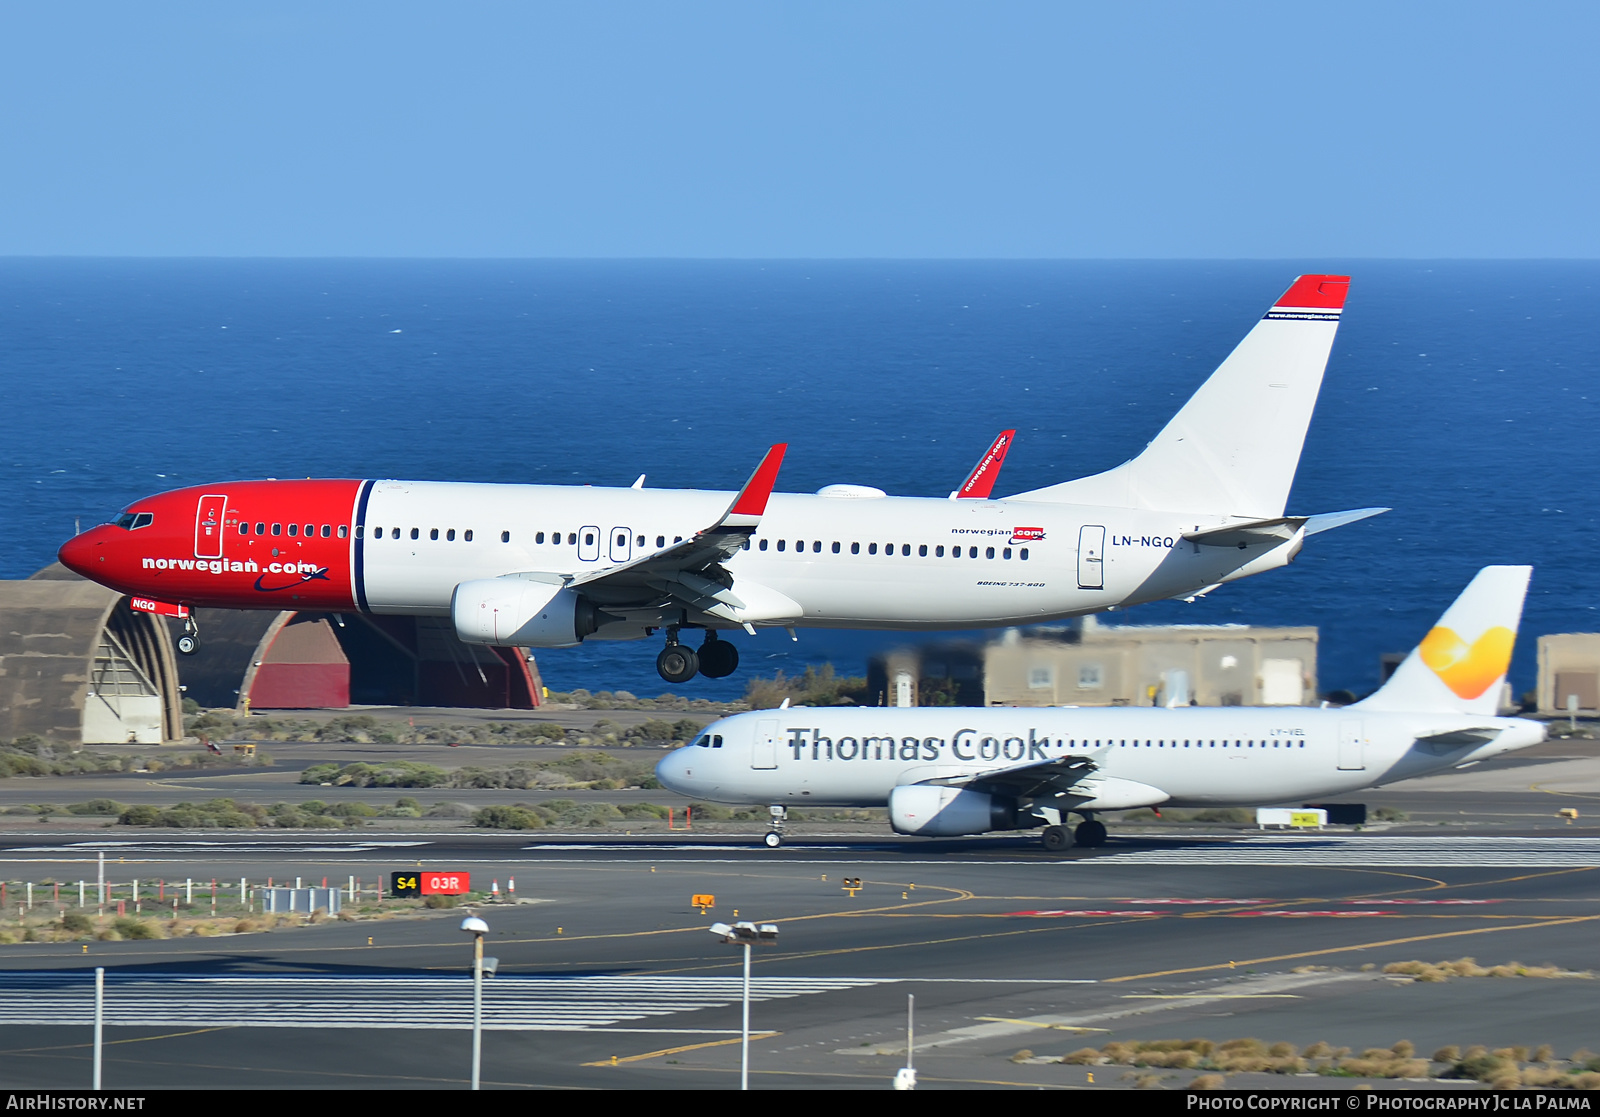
747,507
980,482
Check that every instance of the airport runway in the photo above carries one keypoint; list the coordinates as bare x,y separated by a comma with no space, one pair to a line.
1003,947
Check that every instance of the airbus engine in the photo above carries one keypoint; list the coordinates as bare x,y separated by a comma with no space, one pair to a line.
943,812
517,612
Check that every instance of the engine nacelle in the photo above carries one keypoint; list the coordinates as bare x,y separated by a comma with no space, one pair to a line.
517,612
944,812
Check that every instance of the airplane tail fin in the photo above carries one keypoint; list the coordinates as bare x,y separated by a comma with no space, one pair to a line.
980,482
1461,662
1233,448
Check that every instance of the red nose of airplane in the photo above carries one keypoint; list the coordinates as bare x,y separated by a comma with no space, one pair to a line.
78,554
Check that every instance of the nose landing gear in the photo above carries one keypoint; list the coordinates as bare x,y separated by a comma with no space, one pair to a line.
774,837
189,642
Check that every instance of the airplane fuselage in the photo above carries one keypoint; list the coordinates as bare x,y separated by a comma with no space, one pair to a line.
1191,756
402,547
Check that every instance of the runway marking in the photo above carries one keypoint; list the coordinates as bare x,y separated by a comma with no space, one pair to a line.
1037,1024
1211,996
1358,946
274,1001
618,1061
1370,851
263,846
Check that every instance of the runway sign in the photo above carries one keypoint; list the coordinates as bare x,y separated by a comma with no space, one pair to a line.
429,884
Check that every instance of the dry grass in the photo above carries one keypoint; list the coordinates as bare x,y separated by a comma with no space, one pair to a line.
1467,967
1208,1082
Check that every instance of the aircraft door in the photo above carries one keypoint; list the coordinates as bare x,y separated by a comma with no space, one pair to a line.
588,543
1351,747
1091,557
764,750
621,544
208,518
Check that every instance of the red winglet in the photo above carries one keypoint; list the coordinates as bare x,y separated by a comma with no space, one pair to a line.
752,499
1322,292
980,482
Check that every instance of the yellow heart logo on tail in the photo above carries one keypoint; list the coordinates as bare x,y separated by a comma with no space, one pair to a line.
1468,669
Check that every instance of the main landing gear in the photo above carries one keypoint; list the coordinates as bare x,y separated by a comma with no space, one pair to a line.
1089,833
678,663
189,642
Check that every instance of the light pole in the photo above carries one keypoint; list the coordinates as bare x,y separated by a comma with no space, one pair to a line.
746,935
477,928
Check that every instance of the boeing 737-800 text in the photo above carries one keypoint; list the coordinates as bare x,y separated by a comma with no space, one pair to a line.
548,567
944,772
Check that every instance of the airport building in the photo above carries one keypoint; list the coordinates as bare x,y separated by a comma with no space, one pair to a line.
1092,664
1569,673
79,666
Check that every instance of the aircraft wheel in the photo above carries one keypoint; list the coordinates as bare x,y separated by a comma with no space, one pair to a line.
773,839
718,659
1056,838
188,644
1091,833
677,664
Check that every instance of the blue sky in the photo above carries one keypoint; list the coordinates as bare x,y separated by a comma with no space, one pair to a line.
800,130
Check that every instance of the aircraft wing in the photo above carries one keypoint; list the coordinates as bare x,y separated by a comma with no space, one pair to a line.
1027,781
690,572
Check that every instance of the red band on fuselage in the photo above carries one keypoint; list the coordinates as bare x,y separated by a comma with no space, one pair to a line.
246,545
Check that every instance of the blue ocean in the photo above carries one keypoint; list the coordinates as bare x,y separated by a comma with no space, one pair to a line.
1461,394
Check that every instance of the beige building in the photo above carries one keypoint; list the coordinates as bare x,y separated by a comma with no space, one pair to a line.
1143,665
1569,665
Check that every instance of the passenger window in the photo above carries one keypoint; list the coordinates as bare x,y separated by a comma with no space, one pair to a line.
782,543
434,534
1023,554
938,552
344,531
988,552
872,548
261,529
661,541
763,544
539,537
641,541
294,530
416,533
244,528
505,537
922,550
972,552
835,546
1006,553
327,531
311,530
450,536
358,532
588,539
905,549
855,548
466,536
677,539
572,538
816,547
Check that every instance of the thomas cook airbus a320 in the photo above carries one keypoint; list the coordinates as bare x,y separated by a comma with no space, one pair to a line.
548,567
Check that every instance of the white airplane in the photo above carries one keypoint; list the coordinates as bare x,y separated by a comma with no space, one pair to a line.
944,772
547,567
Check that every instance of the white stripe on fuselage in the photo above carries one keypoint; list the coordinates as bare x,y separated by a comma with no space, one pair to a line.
1198,756
408,575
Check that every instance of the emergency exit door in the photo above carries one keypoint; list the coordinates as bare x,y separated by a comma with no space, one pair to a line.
764,752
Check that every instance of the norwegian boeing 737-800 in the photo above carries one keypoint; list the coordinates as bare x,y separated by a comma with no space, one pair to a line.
944,772
547,567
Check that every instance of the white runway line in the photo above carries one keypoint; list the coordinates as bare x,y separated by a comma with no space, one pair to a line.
269,1001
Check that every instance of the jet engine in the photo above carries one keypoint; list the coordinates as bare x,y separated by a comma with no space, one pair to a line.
942,812
520,612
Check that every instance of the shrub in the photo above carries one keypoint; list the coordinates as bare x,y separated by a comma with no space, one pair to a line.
506,818
130,928
141,815
76,922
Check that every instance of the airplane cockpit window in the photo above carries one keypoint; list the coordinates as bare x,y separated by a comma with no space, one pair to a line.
716,741
133,521
704,742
